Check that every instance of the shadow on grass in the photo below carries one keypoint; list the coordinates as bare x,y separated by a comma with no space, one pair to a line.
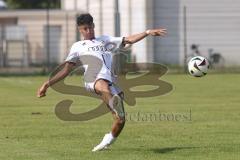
170,149
156,150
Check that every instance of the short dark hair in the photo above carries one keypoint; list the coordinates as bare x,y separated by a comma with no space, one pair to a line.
85,18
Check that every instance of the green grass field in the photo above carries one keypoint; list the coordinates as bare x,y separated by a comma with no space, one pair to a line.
212,131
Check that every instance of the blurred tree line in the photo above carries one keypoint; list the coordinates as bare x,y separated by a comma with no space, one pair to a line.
33,4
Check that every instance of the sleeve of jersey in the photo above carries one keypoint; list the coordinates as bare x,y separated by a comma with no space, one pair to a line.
73,56
117,41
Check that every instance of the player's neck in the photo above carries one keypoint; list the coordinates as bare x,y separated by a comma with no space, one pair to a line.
90,38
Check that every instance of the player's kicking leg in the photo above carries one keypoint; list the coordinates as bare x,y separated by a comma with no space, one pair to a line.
115,104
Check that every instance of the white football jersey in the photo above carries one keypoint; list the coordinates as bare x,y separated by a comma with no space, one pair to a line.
102,48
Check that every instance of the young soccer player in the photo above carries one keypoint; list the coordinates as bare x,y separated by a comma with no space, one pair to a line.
103,83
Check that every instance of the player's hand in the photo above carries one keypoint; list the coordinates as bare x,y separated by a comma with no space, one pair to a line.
157,32
42,90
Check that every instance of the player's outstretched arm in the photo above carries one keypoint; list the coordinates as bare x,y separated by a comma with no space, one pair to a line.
137,37
59,76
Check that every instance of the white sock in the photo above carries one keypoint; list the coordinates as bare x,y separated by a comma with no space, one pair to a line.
111,135
111,138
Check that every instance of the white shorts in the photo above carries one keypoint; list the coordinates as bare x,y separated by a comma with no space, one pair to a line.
113,87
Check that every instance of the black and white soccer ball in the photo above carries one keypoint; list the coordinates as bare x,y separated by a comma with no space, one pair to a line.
198,66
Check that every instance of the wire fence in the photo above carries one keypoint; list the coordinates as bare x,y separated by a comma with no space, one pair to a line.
40,39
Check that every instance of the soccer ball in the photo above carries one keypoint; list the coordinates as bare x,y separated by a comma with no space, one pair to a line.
198,66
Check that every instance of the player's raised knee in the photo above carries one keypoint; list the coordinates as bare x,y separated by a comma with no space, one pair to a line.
102,87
